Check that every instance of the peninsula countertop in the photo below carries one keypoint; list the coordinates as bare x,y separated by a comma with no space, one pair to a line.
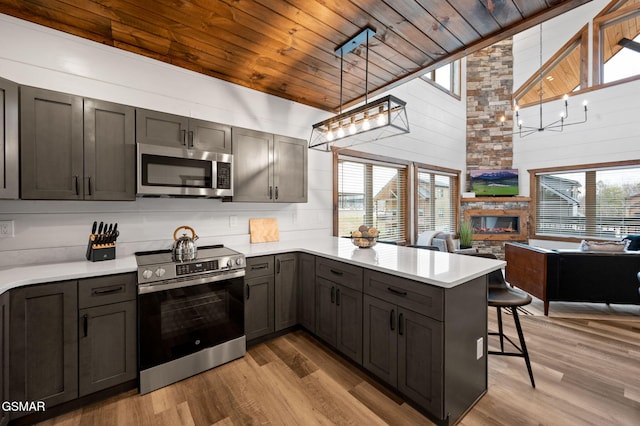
431,267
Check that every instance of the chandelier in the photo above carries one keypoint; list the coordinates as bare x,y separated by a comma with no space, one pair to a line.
375,120
556,126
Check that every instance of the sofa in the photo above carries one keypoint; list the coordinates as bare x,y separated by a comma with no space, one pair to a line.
574,275
442,241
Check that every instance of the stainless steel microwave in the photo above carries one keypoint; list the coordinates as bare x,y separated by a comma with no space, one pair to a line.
165,170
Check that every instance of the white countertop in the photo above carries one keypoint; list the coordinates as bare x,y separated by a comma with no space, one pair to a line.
431,267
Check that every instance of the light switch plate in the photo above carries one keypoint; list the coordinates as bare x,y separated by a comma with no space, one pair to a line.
479,348
6,229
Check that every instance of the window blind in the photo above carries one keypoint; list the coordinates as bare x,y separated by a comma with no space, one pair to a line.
372,193
435,202
594,203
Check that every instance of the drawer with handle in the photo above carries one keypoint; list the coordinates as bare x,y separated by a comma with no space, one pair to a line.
340,273
419,297
105,290
259,266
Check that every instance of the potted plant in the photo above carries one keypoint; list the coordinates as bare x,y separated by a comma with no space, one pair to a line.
466,234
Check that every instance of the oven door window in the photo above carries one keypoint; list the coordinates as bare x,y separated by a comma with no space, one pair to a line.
158,170
179,322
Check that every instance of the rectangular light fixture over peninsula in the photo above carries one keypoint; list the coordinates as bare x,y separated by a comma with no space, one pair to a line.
375,120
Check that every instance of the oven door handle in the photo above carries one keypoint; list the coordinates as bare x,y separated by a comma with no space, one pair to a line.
170,285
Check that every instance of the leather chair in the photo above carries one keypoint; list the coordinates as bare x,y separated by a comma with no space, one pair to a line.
501,295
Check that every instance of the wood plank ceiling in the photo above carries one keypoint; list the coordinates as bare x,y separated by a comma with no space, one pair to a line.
286,48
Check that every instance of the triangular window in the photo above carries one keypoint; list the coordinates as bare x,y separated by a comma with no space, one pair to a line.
562,74
617,42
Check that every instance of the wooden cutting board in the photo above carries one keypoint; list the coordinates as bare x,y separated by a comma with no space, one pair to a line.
264,230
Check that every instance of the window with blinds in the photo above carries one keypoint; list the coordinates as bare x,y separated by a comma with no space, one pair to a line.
435,203
590,203
373,193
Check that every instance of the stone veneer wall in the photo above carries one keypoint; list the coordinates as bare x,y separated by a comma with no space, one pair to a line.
489,97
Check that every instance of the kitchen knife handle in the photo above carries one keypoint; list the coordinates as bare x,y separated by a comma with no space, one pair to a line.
190,140
248,292
89,184
184,137
75,177
276,192
85,318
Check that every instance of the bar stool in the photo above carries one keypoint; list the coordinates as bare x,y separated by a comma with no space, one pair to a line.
501,295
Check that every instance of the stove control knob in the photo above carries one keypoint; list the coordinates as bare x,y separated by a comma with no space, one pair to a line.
160,272
230,263
147,273
239,261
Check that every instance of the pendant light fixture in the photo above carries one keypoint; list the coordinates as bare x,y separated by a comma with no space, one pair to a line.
556,126
372,121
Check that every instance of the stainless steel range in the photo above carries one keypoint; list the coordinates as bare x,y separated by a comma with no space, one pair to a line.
190,314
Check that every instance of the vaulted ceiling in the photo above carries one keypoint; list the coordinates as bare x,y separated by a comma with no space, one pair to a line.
287,47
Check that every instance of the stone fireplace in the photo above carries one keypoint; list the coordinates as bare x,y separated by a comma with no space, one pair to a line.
497,220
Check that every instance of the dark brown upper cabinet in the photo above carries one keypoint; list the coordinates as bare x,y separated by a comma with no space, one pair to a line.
75,148
9,175
269,168
160,128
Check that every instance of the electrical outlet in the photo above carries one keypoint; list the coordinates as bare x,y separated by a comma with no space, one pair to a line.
233,221
479,348
6,229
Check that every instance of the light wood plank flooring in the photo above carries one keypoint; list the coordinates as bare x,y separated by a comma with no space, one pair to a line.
586,362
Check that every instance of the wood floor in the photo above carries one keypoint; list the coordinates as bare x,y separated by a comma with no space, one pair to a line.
586,365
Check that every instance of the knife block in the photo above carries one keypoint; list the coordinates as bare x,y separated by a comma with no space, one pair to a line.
99,252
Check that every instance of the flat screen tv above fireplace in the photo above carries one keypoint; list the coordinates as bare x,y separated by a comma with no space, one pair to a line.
494,182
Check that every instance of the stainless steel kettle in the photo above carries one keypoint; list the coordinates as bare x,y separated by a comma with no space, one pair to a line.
184,248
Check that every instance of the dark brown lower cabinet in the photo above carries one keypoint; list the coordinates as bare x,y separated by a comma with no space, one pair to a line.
307,291
107,346
44,343
404,349
259,299
339,317
4,355
286,290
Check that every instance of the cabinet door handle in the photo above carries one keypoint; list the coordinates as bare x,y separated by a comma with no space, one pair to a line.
400,324
75,177
338,297
392,320
276,192
271,192
108,290
89,184
398,292
334,272
85,319
183,134
190,142
333,295
277,266
260,266
248,292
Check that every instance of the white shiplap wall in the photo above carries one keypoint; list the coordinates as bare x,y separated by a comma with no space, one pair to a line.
57,230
